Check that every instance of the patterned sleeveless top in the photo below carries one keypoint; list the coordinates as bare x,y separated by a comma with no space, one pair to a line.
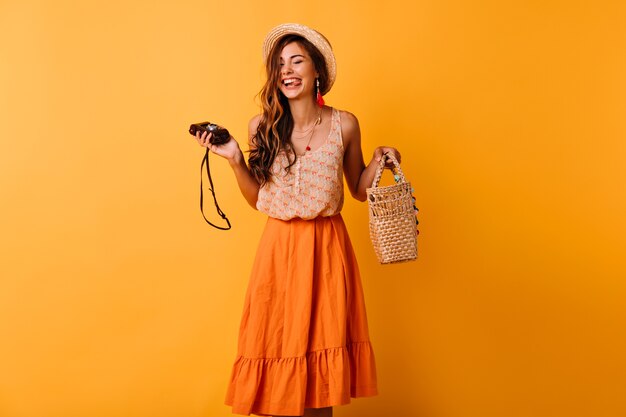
314,184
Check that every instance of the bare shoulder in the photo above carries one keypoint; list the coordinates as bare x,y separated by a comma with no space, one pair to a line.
348,120
349,126
254,124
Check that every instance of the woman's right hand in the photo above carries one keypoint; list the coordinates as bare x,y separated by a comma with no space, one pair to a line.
229,150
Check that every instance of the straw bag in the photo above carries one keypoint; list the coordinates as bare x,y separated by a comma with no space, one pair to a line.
393,223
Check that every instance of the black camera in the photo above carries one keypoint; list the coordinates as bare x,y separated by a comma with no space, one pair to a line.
220,135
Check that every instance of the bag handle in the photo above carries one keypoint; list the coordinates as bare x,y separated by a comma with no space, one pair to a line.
381,167
205,160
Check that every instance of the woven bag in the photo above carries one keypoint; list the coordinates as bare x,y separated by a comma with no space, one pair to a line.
393,229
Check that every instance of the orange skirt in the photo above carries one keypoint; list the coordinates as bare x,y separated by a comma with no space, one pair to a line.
303,339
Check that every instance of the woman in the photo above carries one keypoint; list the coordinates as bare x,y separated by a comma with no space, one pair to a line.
303,341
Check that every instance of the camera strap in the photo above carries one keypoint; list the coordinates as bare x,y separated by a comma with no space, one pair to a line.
205,160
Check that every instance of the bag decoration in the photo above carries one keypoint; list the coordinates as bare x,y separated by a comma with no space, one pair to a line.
392,216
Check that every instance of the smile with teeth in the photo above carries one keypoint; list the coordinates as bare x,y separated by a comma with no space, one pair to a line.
292,82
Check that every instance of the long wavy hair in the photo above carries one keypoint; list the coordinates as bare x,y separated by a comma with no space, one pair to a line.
276,125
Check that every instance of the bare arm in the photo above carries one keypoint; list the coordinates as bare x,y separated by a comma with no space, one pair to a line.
248,185
359,177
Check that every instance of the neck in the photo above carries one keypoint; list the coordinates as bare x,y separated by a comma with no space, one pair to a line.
304,113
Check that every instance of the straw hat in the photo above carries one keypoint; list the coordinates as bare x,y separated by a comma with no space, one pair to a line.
311,35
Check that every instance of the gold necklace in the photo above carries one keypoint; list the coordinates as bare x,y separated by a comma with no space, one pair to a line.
317,121
308,148
306,131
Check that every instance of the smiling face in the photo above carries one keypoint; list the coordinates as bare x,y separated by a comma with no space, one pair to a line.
297,72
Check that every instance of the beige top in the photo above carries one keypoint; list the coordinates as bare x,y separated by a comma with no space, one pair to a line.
314,184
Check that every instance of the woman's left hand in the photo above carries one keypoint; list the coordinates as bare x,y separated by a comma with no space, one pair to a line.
381,150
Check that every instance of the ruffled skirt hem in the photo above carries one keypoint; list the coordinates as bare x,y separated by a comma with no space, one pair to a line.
326,377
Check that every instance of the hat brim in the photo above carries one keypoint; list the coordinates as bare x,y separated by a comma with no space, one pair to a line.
317,39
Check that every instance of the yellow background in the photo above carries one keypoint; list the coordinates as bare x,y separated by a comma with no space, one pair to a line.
116,299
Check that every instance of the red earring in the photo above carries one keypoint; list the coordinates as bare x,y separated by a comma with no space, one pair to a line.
320,99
